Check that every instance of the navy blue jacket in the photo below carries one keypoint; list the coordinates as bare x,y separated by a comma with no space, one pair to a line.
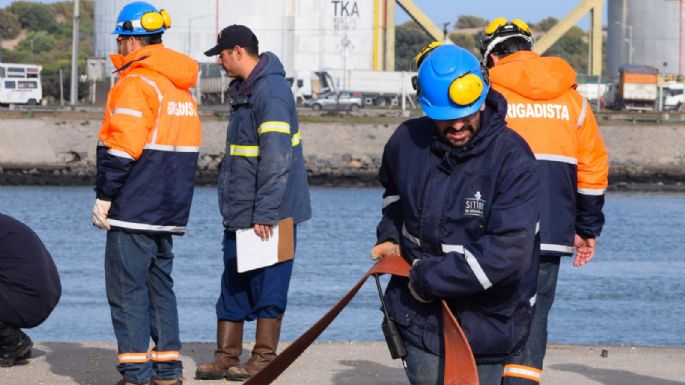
262,177
469,216
29,283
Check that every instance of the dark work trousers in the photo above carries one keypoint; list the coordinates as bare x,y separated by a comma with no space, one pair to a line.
254,294
525,368
29,282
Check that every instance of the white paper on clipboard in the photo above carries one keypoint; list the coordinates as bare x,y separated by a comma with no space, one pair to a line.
253,252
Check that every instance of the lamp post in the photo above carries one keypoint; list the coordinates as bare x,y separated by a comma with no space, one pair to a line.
73,97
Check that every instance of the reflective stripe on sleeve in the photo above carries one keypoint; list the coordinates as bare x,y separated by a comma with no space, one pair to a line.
129,358
552,247
533,300
159,109
591,191
390,199
120,154
556,158
477,270
171,355
128,111
527,372
163,147
583,112
470,259
280,127
245,151
410,237
296,138
537,227
145,226
452,249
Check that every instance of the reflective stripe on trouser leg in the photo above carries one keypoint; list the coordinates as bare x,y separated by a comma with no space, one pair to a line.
524,372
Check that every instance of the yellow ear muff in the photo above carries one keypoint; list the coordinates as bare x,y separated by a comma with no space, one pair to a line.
166,18
466,89
152,21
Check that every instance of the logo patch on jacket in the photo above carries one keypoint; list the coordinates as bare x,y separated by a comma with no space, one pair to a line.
475,205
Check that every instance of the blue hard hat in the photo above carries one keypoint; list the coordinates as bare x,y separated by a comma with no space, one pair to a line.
141,18
451,83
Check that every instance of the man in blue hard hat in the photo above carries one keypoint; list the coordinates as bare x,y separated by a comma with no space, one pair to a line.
147,154
460,204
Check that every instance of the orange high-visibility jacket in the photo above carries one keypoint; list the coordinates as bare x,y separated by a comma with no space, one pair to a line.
560,128
149,141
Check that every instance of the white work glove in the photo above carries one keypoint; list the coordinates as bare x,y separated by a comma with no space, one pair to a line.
100,212
385,249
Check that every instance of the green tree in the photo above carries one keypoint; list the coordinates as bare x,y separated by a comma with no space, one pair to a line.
466,21
37,42
545,24
409,40
573,48
34,16
467,41
51,40
9,24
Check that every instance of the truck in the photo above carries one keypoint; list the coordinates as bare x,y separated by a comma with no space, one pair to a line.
672,96
20,84
637,88
377,88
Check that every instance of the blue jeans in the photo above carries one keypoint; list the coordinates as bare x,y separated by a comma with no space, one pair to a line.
533,352
426,368
254,294
143,305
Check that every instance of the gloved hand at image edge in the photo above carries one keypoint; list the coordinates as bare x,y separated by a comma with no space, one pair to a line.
100,214
385,249
414,285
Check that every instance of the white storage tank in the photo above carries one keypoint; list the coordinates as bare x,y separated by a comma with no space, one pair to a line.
645,32
306,34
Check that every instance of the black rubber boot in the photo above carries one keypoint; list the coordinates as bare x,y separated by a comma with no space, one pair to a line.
15,346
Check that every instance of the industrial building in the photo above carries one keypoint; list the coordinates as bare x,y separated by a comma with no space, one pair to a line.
306,34
645,32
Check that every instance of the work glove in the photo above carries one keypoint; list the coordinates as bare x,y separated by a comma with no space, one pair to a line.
385,249
413,289
100,212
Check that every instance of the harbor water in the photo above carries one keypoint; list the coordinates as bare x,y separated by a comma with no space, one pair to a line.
631,293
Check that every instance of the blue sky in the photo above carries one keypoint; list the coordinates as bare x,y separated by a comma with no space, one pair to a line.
442,11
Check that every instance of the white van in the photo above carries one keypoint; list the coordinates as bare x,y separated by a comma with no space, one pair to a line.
20,84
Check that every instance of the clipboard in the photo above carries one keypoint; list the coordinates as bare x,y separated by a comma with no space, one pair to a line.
254,253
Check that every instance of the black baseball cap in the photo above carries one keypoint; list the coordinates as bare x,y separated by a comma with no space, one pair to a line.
231,36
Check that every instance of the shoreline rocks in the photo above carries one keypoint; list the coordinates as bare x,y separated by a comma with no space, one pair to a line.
45,151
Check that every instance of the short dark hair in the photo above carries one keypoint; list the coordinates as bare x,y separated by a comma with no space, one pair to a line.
252,50
510,46
149,39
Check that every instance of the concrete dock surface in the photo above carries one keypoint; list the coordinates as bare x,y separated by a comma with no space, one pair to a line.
358,363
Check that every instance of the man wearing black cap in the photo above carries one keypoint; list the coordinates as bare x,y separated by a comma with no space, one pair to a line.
262,180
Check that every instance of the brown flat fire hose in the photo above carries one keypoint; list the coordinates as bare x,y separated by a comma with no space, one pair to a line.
460,366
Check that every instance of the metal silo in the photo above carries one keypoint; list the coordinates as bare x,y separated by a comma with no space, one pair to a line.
645,32
306,34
